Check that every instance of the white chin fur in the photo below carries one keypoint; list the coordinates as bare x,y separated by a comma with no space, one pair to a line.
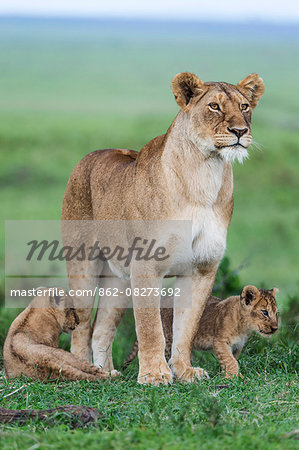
232,154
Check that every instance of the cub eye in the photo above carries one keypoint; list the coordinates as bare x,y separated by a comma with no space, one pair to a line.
244,107
265,312
214,106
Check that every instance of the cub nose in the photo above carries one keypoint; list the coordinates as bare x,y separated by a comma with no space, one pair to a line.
238,131
273,329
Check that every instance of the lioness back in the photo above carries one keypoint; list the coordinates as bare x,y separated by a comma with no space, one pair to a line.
109,172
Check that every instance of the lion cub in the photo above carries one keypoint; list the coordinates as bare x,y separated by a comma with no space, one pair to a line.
31,345
226,325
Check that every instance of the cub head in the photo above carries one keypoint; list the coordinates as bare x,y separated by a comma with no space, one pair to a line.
64,311
219,114
261,308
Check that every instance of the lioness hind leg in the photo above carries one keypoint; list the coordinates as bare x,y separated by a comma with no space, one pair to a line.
85,284
83,272
109,314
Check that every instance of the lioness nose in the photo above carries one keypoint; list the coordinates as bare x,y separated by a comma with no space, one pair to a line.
273,329
238,131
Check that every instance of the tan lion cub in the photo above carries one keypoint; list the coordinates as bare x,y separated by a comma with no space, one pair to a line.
226,325
31,345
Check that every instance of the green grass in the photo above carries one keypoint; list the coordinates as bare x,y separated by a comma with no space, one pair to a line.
259,411
169,417
68,88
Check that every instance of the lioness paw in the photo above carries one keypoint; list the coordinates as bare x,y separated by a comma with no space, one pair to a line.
154,372
155,379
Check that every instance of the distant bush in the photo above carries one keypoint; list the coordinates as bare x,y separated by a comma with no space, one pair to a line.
227,280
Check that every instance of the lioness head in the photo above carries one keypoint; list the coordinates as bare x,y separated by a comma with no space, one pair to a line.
219,114
262,309
64,311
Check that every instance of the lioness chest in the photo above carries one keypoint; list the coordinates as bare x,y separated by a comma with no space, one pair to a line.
208,235
203,208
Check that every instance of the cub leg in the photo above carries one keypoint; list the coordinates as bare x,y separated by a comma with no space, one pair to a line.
111,309
186,320
167,320
228,363
64,364
237,352
131,356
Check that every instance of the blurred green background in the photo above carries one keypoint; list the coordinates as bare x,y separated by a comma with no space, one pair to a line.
69,87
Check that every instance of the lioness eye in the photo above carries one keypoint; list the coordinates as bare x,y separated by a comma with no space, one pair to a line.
265,312
244,106
214,106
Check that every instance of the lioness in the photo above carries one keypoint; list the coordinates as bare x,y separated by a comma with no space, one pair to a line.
225,325
31,345
185,174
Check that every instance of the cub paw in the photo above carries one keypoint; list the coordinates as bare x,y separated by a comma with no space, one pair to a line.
115,373
231,375
192,374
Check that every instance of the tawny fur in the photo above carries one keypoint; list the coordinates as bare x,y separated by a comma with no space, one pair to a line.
226,325
185,174
31,345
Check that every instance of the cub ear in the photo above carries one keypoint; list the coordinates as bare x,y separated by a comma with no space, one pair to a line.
250,294
252,87
275,291
185,87
56,298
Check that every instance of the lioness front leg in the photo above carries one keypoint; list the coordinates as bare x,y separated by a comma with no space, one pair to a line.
228,363
153,368
186,320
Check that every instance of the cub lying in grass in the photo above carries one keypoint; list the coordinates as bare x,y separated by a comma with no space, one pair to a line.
31,345
226,325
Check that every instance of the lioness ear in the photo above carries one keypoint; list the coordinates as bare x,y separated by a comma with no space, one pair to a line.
250,294
185,87
252,87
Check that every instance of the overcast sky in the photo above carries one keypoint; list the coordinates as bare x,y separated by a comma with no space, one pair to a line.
285,10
